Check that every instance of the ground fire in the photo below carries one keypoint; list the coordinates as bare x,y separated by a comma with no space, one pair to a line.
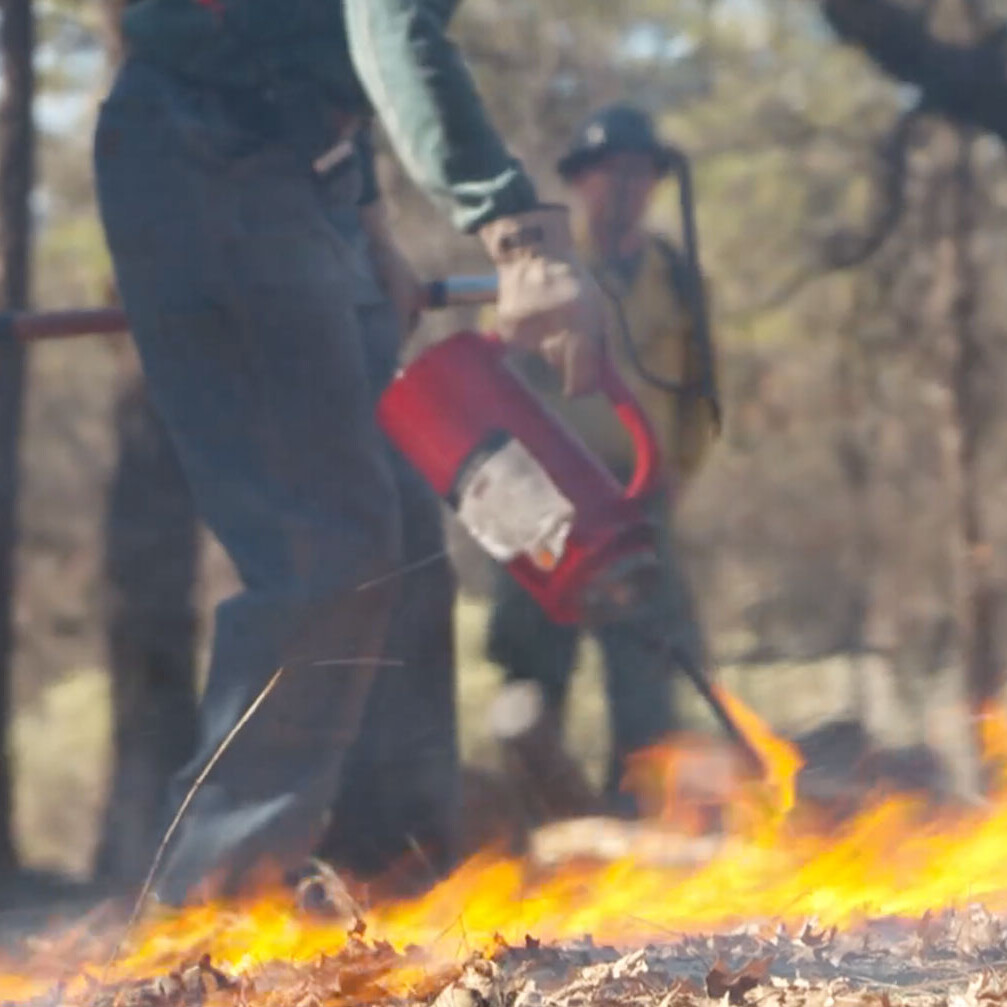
898,902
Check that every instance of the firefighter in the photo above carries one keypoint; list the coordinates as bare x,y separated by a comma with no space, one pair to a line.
267,300
611,170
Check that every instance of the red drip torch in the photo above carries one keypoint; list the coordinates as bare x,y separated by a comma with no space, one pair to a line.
533,496
523,484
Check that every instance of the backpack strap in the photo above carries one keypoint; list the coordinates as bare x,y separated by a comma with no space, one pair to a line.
688,286
677,268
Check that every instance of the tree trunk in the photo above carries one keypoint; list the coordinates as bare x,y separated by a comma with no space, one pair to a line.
961,361
978,614
853,380
967,364
17,150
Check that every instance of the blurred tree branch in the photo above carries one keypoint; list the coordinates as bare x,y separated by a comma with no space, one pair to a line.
967,82
845,248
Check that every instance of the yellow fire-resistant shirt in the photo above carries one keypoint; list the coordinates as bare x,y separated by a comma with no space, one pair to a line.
659,324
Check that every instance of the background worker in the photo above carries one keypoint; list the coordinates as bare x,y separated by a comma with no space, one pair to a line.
612,169
255,264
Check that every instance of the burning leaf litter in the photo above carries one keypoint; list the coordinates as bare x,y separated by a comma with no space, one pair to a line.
954,959
897,906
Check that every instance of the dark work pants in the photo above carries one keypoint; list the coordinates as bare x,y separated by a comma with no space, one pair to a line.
265,341
638,681
151,567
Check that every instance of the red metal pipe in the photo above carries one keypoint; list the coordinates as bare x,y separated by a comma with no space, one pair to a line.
29,326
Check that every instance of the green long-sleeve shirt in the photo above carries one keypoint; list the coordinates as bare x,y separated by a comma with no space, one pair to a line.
389,56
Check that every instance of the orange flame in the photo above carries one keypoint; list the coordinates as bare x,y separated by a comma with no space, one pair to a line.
689,780
992,732
896,858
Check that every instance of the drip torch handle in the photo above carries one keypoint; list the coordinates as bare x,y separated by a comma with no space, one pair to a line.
454,291
648,474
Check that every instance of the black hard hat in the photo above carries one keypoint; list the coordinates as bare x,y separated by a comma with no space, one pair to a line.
617,128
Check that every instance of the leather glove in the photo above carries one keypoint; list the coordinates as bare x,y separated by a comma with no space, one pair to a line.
548,301
395,275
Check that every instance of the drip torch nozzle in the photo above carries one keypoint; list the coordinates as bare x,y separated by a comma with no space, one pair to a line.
629,592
